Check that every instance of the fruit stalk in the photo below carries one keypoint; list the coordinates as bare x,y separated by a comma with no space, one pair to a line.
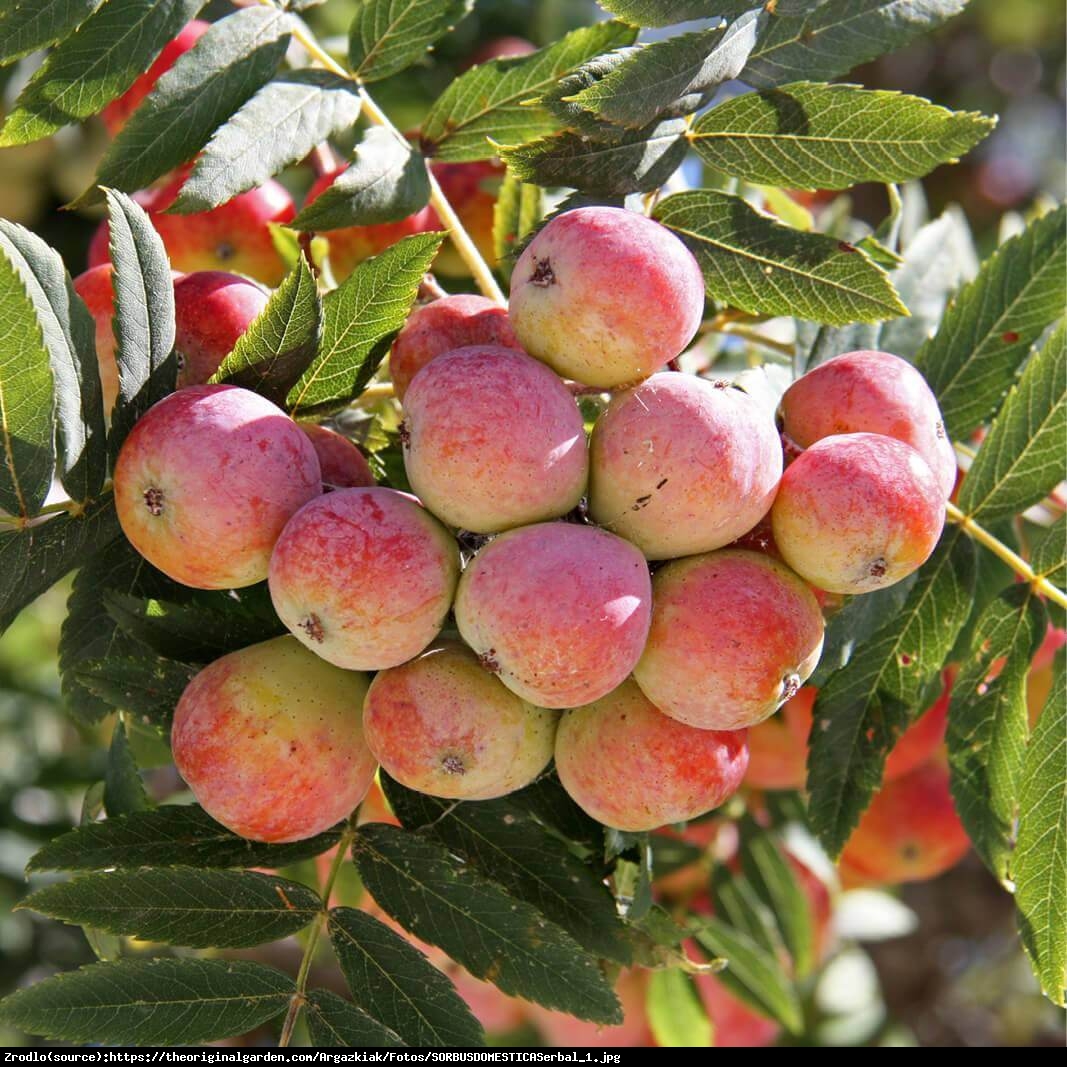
460,238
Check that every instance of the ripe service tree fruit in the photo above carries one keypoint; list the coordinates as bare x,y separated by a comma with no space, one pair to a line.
206,481
616,519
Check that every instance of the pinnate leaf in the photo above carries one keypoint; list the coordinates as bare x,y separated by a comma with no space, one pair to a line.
26,27
333,1022
388,36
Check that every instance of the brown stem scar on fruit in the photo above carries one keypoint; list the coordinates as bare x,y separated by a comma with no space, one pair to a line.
543,275
312,626
453,765
153,500
489,661
790,686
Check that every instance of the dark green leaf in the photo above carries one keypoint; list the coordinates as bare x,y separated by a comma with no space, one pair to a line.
987,330
280,125
634,161
676,71
987,722
496,937
35,558
123,789
491,100
771,876
737,903
26,402
25,27
517,211
1049,556
183,906
1039,865
396,985
752,974
753,262
359,318
281,342
561,99
144,314
151,1002
821,41
225,68
93,66
169,836
67,330
669,12
334,1023
812,136
387,36
1022,457
508,846
863,709
550,804
386,182
676,1014
147,686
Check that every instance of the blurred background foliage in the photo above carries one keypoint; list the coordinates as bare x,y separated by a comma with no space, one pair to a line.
939,966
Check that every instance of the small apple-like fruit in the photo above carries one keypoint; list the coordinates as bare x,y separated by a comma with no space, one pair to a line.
472,190
205,481
342,464
270,741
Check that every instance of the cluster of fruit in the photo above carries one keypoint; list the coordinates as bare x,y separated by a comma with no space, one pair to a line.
659,675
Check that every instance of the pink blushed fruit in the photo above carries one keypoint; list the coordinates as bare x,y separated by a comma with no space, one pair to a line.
605,296
870,392
206,480
560,612
212,310
443,325
681,465
630,767
472,189
270,741
493,440
342,464
364,577
778,746
857,512
734,634
442,725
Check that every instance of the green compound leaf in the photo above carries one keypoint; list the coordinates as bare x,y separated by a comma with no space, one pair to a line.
670,12
491,102
24,28
1039,864
988,329
92,66
863,708
388,36
494,935
124,791
183,906
1022,458
335,1023
170,836
150,1002
394,983
752,262
812,136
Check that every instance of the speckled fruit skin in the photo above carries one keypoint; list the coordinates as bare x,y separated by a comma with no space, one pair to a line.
443,725
472,189
734,634
270,741
94,287
681,465
118,111
206,480
232,237
560,612
870,392
364,577
605,296
631,767
778,747
443,325
341,463
493,440
857,512
212,310
351,245
910,833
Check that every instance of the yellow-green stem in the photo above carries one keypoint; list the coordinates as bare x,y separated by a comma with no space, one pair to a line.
299,997
980,534
467,249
